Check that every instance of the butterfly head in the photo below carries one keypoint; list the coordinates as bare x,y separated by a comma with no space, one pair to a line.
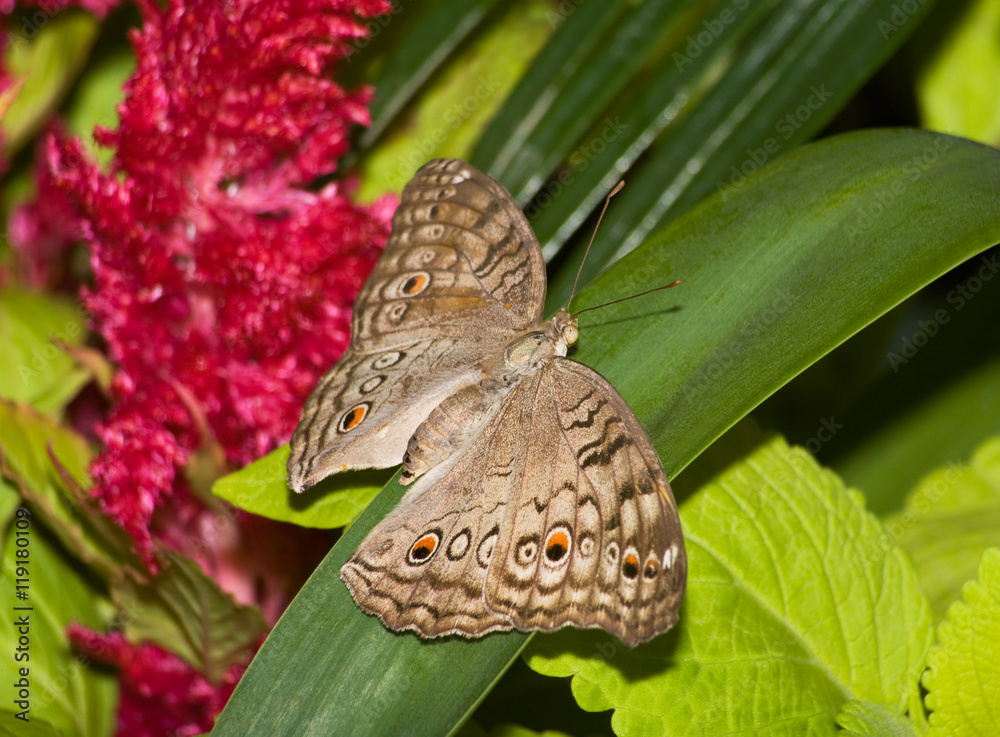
566,329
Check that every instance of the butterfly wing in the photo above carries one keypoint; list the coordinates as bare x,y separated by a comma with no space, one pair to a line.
591,536
558,513
461,274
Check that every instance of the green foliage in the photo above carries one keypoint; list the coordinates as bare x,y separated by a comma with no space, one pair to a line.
951,516
963,681
68,692
793,609
36,370
868,719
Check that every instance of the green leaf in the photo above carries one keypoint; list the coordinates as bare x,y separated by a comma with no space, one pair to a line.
261,488
950,518
71,693
867,719
45,49
937,428
465,95
963,73
28,441
792,604
185,611
33,369
963,678
773,279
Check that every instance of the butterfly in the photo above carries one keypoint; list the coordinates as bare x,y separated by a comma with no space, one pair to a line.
535,499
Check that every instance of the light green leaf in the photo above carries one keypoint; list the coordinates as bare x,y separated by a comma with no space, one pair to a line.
185,611
32,368
46,51
334,502
867,719
463,98
963,680
945,425
958,89
68,691
950,518
793,609
26,440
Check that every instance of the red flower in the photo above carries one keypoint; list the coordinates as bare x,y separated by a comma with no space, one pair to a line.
219,275
160,693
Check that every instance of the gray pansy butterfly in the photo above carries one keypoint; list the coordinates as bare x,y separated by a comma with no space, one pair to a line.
537,500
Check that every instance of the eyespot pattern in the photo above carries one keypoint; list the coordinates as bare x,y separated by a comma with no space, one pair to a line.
424,548
527,550
558,544
371,384
414,284
586,545
387,359
630,564
459,545
485,550
353,417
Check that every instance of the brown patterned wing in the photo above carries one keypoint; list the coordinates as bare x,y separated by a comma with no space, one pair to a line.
591,536
461,262
461,274
424,566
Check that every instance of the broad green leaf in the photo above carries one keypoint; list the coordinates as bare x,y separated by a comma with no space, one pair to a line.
185,611
773,279
963,678
867,719
793,608
33,369
71,693
261,488
452,113
47,50
950,518
943,426
26,440
959,85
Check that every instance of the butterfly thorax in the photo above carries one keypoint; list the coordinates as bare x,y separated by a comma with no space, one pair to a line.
459,418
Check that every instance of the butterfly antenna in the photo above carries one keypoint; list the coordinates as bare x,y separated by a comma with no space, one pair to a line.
633,296
616,190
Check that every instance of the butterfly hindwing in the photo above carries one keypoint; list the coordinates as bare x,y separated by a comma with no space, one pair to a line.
591,536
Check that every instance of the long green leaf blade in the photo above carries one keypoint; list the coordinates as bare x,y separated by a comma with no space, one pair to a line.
773,279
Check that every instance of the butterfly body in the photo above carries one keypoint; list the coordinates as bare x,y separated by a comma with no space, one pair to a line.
535,499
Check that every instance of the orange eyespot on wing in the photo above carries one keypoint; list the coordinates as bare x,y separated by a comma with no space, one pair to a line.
353,417
557,545
415,284
424,548
630,565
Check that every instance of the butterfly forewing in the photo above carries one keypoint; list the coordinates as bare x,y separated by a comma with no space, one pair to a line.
460,275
